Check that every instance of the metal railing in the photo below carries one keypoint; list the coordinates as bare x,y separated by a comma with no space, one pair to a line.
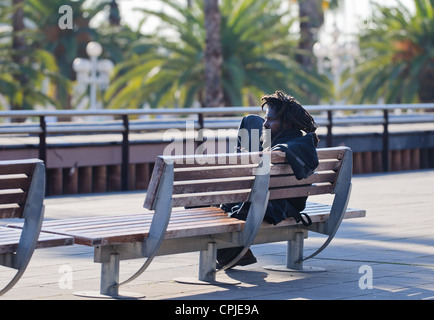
124,125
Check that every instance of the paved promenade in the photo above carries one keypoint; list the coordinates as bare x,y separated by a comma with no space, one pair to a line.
387,255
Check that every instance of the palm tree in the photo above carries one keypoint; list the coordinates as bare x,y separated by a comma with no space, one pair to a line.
311,14
23,66
213,55
258,57
399,67
311,18
64,43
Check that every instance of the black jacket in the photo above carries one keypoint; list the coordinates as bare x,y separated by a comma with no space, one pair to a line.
302,156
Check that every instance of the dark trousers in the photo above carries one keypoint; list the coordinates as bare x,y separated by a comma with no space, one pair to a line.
249,133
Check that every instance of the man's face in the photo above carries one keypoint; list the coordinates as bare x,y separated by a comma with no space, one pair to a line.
272,122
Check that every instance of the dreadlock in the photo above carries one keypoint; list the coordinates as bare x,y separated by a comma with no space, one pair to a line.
291,113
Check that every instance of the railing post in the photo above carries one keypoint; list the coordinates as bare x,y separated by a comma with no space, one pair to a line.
125,153
43,139
201,121
330,128
386,140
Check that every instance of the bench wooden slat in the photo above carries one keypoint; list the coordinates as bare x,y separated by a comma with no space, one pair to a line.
214,198
318,215
331,153
10,211
10,237
17,166
110,231
194,186
216,160
290,180
122,224
14,182
302,191
13,196
198,173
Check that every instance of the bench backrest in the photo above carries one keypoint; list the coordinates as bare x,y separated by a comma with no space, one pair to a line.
228,178
16,179
22,191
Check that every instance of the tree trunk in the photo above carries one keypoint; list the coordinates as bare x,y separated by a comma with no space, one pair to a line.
114,16
426,94
311,19
213,55
18,46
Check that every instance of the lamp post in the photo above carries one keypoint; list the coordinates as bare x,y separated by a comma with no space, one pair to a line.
93,72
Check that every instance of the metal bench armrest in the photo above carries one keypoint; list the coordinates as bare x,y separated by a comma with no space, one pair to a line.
340,202
33,215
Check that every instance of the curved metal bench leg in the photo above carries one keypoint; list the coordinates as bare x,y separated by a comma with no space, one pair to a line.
259,201
160,220
334,229
340,202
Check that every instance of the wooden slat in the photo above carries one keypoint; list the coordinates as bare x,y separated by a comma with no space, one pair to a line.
331,153
12,196
291,180
19,181
318,213
205,198
194,186
130,228
198,173
11,211
216,160
324,165
10,238
12,167
302,191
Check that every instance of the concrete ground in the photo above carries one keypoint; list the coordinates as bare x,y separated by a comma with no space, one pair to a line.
388,255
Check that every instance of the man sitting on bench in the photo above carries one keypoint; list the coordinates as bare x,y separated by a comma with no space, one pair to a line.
287,127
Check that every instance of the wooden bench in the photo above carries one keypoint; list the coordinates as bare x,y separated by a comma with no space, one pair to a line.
204,181
22,189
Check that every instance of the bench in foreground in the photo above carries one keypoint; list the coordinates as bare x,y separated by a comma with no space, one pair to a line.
200,183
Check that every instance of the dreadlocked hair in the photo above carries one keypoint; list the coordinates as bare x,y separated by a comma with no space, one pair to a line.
291,113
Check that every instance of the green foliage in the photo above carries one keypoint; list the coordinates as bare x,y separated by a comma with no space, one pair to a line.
397,57
258,57
24,69
165,68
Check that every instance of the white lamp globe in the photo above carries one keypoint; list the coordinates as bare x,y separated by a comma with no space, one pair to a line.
93,49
